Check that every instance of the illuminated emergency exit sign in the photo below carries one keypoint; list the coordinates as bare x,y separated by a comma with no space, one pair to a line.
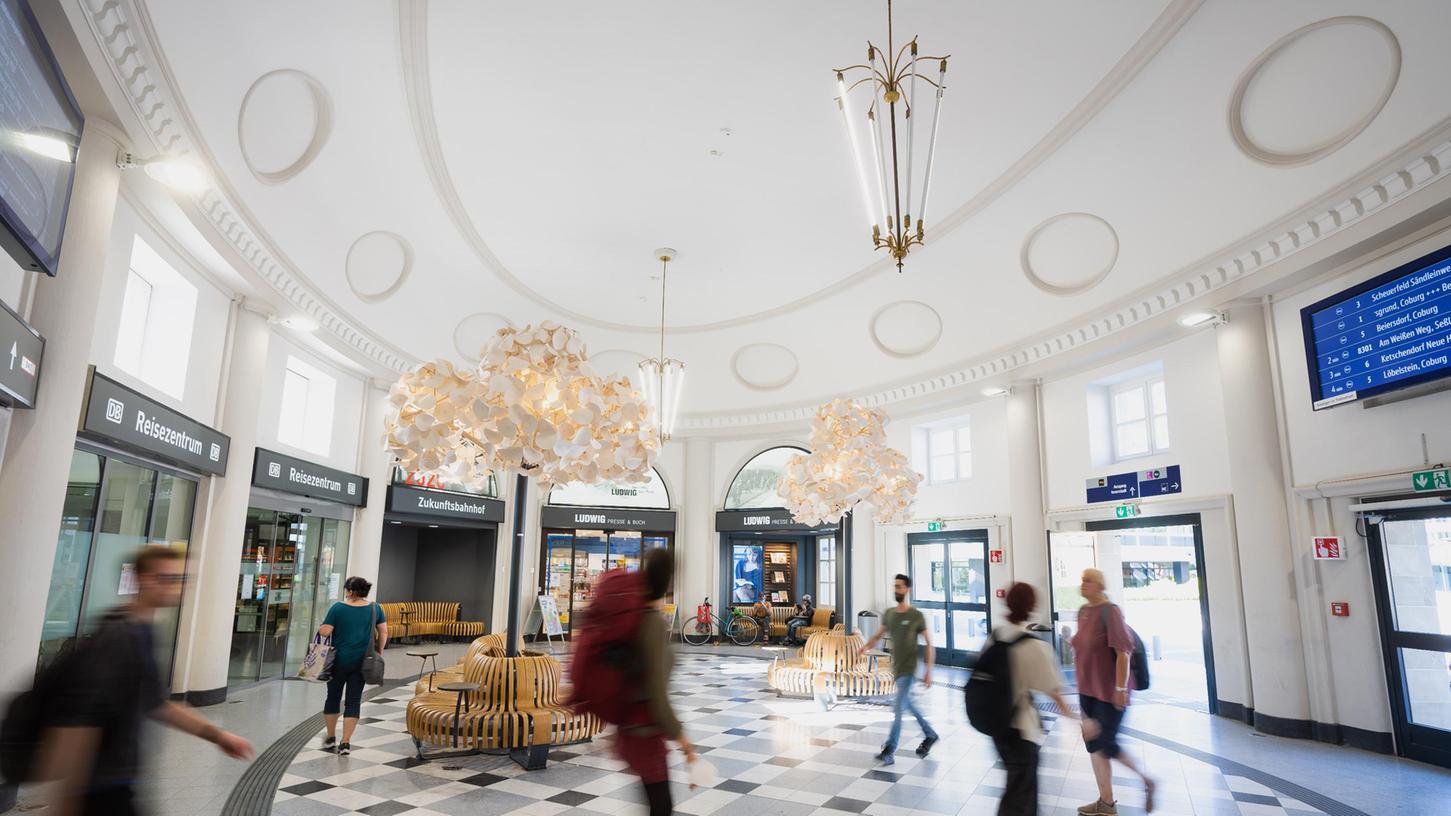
1126,511
1425,481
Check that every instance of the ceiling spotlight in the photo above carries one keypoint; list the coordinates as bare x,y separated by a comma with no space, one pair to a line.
994,391
45,145
182,175
297,323
1194,320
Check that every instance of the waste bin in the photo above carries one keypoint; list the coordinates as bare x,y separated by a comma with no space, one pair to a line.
867,624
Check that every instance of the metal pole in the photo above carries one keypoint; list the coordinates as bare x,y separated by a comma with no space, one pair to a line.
516,556
846,561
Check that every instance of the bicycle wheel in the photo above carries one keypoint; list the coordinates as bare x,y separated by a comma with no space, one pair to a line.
742,631
695,633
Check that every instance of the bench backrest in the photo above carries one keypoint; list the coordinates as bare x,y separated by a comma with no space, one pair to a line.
434,611
822,616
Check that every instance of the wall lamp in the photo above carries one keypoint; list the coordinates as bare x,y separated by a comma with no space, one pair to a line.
994,391
1195,320
182,175
295,322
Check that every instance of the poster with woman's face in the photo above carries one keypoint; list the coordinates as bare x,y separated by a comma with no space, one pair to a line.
749,572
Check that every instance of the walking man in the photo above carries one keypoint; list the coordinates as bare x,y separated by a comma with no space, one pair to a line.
905,623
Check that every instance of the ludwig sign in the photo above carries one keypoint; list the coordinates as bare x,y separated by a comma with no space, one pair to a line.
737,521
416,502
607,518
278,471
120,415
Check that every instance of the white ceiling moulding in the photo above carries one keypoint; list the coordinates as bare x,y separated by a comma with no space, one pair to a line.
124,36
413,48
1409,172
1054,253
279,133
1284,77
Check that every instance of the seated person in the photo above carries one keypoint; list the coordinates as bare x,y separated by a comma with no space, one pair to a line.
761,611
800,617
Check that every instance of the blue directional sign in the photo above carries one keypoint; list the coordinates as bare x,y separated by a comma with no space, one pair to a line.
1160,481
1118,487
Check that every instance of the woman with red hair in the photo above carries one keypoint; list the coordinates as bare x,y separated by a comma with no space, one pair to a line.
1032,669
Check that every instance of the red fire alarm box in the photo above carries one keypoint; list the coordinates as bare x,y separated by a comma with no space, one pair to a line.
995,557
1002,593
1340,609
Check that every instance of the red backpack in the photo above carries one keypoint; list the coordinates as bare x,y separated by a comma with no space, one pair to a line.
605,671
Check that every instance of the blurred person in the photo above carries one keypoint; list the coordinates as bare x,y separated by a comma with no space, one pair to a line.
643,748
761,613
800,617
94,708
352,624
1102,649
905,623
1031,668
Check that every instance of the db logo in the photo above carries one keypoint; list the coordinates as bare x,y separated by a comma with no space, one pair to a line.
274,469
115,411
352,489
216,452
995,557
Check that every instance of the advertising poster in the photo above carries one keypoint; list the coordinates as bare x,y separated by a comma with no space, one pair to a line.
749,572
549,610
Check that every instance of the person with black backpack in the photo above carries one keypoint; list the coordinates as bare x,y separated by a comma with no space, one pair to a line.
999,694
1105,650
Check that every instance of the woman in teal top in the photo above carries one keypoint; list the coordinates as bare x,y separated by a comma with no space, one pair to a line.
350,624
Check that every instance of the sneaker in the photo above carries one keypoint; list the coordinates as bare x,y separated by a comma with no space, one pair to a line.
885,757
329,743
1098,807
1148,796
344,749
926,747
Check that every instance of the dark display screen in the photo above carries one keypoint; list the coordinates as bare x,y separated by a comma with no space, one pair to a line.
40,131
1391,332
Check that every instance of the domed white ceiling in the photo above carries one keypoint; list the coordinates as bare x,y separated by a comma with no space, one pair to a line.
425,172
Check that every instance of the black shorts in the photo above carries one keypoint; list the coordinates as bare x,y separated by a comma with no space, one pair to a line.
1110,717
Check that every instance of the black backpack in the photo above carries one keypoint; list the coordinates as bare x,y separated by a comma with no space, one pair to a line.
1139,660
989,691
24,725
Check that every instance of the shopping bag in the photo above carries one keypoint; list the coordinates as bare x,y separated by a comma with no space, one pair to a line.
317,665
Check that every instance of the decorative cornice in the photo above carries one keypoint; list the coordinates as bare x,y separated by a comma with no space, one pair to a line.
1350,205
413,49
125,36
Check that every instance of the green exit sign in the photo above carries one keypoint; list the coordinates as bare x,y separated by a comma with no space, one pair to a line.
935,526
1126,511
1427,480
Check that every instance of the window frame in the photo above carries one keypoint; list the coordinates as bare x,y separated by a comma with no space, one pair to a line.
958,427
1149,418
318,415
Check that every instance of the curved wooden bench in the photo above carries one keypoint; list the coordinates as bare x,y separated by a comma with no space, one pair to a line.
519,704
820,622
429,619
830,665
455,673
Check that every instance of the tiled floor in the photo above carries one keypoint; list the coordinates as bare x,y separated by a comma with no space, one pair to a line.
775,757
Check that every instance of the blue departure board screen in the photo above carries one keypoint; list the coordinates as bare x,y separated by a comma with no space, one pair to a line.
1391,332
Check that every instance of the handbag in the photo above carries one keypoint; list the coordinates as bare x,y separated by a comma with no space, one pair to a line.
318,664
372,661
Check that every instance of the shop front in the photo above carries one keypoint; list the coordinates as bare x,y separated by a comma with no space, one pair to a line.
134,476
294,556
588,529
439,545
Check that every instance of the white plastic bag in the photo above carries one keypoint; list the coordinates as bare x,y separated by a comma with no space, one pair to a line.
318,663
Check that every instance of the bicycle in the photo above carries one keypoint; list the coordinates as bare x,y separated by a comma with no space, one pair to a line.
741,629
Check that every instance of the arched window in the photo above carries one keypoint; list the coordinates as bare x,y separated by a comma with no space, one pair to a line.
755,485
653,494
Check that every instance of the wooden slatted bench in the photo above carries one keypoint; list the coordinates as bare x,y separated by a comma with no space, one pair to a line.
429,619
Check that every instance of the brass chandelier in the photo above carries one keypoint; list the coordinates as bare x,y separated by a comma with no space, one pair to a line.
886,153
662,379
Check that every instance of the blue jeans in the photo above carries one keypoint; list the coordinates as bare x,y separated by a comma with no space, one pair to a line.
903,702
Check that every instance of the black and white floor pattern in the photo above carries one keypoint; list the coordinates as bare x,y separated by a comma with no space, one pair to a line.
775,757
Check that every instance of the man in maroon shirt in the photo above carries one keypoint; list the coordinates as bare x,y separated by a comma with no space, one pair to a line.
1102,648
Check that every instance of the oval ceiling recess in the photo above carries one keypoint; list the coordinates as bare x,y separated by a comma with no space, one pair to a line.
285,119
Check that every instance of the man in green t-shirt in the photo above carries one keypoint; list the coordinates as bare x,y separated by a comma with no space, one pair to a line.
904,623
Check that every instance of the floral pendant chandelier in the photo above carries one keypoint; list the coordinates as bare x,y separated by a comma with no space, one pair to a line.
533,406
850,462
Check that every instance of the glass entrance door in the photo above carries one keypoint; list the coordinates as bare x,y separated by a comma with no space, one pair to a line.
1411,555
949,584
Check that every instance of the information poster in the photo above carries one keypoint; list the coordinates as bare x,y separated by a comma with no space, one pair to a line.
128,580
246,585
332,585
549,610
749,572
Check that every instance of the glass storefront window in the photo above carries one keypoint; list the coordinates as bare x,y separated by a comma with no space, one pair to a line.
573,561
625,551
72,555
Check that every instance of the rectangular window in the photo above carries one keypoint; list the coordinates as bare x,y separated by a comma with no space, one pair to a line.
305,420
158,311
1140,419
943,451
826,571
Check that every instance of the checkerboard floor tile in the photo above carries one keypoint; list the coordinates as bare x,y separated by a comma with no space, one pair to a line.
774,756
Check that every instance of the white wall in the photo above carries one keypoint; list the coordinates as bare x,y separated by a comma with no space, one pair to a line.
209,327
987,490
12,281
1196,423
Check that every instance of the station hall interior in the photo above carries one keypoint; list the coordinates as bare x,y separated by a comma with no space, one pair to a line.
1141,301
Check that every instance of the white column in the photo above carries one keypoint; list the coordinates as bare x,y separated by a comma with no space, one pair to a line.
38,453
1028,555
697,556
1277,664
377,465
220,558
